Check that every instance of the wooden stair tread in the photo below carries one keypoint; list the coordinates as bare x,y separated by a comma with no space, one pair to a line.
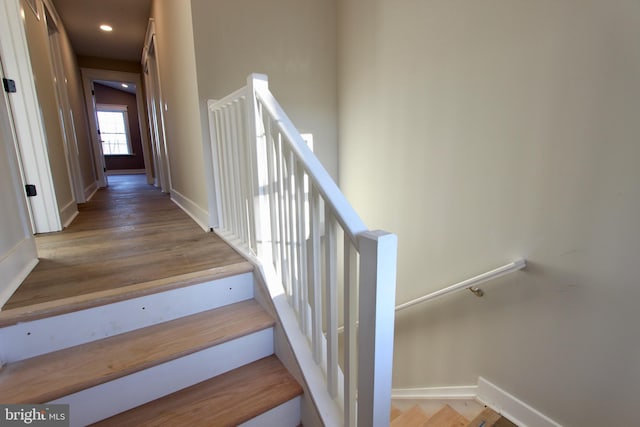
56,307
446,417
412,417
47,377
226,400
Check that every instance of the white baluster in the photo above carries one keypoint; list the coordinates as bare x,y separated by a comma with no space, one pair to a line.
331,302
316,284
350,332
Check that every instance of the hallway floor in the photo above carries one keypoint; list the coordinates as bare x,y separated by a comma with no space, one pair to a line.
129,234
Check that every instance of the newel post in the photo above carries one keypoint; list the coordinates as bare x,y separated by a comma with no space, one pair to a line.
377,295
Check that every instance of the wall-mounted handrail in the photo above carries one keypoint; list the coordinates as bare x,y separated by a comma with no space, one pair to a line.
467,284
470,283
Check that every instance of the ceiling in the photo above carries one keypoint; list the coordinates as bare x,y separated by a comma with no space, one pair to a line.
81,19
131,87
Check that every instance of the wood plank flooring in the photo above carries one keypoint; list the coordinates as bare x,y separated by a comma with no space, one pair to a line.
447,416
129,233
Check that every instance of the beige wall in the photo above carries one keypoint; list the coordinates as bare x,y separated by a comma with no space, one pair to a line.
292,41
176,61
484,131
37,39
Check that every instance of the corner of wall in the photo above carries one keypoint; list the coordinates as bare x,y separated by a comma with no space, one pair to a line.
16,266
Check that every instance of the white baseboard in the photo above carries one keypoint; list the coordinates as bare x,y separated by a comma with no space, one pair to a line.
90,191
511,407
199,215
16,266
486,393
436,393
126,171
68,213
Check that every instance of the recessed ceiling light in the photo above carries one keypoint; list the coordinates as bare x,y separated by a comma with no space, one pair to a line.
105,27
125,85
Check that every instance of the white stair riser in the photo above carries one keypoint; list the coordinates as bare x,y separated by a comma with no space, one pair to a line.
29,339
111,398
285,415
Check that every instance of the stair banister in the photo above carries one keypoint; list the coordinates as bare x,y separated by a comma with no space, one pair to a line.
344,212
278,204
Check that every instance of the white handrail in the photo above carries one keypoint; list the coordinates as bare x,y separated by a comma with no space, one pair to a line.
345,214
465,284
468,283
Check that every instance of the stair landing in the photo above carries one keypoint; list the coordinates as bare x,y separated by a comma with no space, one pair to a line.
128,241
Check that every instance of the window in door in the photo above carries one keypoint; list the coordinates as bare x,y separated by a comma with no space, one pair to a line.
113,123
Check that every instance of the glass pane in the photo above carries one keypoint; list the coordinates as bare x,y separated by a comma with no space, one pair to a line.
114,143
113,132
111,121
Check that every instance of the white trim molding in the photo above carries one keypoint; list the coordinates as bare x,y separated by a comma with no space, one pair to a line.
511,407
126,172
485,393
91,74
16,266
466,392
90,191
68,213
191,208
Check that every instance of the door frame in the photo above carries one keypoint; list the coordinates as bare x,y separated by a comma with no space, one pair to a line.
29,128
69,137
89,75
156,108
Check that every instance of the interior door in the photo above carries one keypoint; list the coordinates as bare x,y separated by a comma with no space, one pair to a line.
156,113
99,153
18,253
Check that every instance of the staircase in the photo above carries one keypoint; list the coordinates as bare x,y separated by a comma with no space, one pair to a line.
196,355
416,416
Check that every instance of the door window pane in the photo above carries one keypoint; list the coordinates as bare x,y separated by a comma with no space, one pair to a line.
114,130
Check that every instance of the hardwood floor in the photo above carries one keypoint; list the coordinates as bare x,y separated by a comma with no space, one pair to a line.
129,233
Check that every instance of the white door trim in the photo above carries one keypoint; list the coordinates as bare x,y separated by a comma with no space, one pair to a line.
28,123
156,105
67,124
88,76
